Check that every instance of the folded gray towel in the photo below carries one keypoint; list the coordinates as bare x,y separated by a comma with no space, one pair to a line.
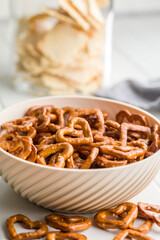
143,94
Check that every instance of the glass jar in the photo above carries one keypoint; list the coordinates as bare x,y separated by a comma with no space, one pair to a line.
58,49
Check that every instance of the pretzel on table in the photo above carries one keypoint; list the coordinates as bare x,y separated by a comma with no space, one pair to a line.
130,209
132,234
68,223
27,223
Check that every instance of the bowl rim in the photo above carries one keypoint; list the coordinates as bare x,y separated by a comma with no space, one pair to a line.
81,170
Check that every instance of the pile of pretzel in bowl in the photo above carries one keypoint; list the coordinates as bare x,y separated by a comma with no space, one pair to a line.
79,138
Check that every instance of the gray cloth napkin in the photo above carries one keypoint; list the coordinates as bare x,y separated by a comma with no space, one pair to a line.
143,94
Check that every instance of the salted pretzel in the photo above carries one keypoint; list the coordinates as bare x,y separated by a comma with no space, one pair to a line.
144,228
18,147
136,128
132,234
59,123
148,211
67,151
65,236
90,159
8,136
154,138
132,118
130,152
42,123
33,155
88,138
87,113
130,209
19,125
68,223
36,111
108,163
27,223
70,163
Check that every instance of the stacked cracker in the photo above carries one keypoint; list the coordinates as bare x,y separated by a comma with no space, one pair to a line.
61,49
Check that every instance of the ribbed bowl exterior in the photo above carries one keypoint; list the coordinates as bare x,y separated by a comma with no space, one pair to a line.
68,190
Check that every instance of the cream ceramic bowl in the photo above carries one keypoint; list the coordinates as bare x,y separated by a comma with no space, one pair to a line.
69,190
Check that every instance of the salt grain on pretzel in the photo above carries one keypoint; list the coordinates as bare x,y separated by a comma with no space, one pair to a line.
68,223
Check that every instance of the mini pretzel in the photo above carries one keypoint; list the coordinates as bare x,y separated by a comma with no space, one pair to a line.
103,162
144,228
33,156
137,118
132,234
42,123
70,163
36,111
148,212
68,223
136,128
59,123
130,152
154,138
99,140
62,157
123,223
8,136
19,125
90,159
88,138
88,112
18,147
66,236
39,233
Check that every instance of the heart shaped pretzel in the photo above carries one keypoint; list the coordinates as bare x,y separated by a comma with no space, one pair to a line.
125,127
130,152
93,116
68,223
70,130
66,152
130,209
20,125
132,234
65,236
19,147
27,223
137,118
148,211
144,228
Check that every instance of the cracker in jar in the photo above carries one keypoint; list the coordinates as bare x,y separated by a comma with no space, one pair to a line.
77,75
59,14
62,43
82,8
95,12
67,6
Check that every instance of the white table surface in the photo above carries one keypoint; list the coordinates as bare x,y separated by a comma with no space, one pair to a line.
136,54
